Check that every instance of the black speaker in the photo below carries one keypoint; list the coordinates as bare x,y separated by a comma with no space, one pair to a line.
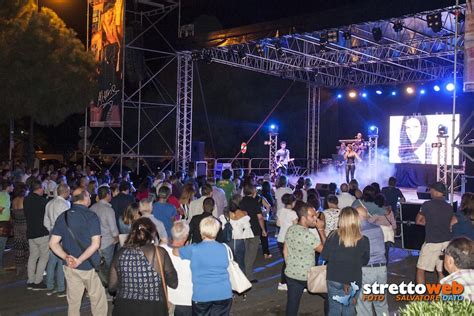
413,236
201,168
323,189
197,151
423,193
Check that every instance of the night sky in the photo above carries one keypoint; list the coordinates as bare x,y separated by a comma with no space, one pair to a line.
238,100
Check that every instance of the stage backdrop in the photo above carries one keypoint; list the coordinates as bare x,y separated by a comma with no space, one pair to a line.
107,46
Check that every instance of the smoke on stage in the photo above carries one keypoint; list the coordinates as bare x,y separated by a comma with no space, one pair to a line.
363,173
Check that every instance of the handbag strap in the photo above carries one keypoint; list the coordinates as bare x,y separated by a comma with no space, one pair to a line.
230,256
78,242
163,280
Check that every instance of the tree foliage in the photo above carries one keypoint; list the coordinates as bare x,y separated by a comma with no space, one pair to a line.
45,72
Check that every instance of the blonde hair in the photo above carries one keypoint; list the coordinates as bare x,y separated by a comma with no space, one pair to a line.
349,227
209,227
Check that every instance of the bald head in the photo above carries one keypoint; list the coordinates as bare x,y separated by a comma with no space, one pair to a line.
81,196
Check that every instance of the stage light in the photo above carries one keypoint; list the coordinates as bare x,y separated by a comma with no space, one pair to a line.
373,130
394,93
379,92
434,22
410,90
398,26
347,35
279,50
442,130
196,55
377,34
333,36
260,49
364,94
450,87
436,88
339,96
422,91
323,38
241,52
352,94
272,126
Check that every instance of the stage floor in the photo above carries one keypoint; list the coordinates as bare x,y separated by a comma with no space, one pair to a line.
411,197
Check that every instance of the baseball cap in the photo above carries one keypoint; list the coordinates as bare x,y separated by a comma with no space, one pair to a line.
438,186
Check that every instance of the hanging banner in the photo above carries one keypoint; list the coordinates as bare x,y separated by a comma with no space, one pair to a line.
107,46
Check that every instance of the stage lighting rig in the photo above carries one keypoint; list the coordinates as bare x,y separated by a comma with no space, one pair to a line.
398,26
278,49
260,49
333,36
323,38
442,130
196,55
207,57
373,131
434,22
377,34
241,52
347,35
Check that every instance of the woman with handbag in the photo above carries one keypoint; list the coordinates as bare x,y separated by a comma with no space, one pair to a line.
140,273
212,291
346,251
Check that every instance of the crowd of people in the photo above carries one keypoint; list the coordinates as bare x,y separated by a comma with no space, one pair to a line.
163,247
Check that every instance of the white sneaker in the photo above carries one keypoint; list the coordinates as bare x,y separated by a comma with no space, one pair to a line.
282,287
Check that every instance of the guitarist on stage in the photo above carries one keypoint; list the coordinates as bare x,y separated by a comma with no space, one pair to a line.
282,158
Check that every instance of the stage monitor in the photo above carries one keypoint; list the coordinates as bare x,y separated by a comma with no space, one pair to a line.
412,138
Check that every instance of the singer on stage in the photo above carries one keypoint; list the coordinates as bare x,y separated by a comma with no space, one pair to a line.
350,157
282,158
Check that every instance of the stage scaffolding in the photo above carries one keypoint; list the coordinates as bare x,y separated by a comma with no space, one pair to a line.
355,58
413,54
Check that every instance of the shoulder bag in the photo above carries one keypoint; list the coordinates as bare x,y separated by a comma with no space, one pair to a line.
238,280
317,276
102,269
163,280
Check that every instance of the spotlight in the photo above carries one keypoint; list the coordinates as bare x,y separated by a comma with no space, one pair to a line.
339,96
260,49
410,90
436,88
323,37
373,130
379,92
394,93
398,26
352,94
422,91
442,130
364,94
333,36
241,52
279,50
207,57
434,22
273,128
450,87
377,34
196,55
347,35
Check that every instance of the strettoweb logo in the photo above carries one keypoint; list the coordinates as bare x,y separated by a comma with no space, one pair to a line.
413,292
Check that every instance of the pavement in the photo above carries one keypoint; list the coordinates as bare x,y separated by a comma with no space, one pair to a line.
263,299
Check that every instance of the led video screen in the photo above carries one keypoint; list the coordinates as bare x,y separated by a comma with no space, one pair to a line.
412,138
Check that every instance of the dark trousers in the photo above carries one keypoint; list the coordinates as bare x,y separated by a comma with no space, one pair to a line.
181,310
350,169
264,241
283,267
214,308
294,293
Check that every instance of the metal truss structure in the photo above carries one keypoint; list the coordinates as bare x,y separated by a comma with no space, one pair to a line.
442,161
272,150
184,114
146,104
312,143
404,50
373,155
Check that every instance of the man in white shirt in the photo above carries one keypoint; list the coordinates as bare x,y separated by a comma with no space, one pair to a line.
54,208
108,224
345,199
181,297
195,207
221,201
282,189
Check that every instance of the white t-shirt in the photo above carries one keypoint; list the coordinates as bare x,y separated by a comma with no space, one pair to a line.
285,219
345,199
183,294
279,193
